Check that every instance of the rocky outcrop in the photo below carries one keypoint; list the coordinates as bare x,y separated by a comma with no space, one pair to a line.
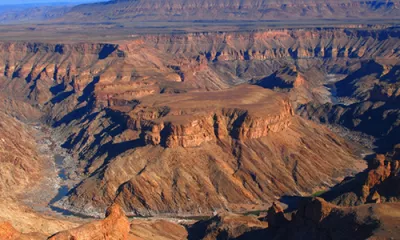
275,216
276,44
49,73
155,124
378,184
367,101
114,227
318,219
8,232
189,120
202,163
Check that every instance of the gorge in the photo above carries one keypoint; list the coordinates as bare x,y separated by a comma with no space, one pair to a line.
193,124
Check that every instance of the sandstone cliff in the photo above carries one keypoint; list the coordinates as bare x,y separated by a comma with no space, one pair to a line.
20,159
144,116
368,96
196,152
378,184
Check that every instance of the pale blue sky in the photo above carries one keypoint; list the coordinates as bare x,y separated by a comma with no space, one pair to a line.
12,2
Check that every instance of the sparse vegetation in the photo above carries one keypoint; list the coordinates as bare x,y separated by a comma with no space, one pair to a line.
318,193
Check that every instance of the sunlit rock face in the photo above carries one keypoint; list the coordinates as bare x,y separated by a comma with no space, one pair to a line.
174,114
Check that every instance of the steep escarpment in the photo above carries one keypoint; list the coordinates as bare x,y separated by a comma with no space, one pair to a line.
378,184
52,73
199,152
20,160
367,101
115,226
282,43
156,125
188,120
179,10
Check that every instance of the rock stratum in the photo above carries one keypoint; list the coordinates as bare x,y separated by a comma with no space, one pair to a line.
164,107
196,153
183,10
318,219
378,184
208,12
193,124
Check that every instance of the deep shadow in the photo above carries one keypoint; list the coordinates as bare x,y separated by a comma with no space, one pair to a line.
61,97
348,185
113,150
87,93
88,97
66,212
200,229
59,49
393,75
292,202
107,50
75,114
273,81
235,132
346,87
62,191
74,139
258,234
57,89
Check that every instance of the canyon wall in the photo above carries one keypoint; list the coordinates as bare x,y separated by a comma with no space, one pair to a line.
157,124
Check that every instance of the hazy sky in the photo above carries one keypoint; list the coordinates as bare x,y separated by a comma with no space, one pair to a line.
11,2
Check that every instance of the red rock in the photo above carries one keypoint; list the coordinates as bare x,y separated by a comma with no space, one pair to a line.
114,227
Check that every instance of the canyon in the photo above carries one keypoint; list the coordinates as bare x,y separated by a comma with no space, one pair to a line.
138,137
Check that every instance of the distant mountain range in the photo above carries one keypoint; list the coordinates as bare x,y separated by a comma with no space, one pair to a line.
206,10
183,10
36,11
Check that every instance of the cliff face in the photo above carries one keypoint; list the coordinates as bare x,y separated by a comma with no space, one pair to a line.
280,43
188,120
369,96
378,184
157,126
192,153
120,72
233,10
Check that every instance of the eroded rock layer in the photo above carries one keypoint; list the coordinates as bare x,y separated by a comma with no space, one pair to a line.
232,10
150,131
378,184
199,152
